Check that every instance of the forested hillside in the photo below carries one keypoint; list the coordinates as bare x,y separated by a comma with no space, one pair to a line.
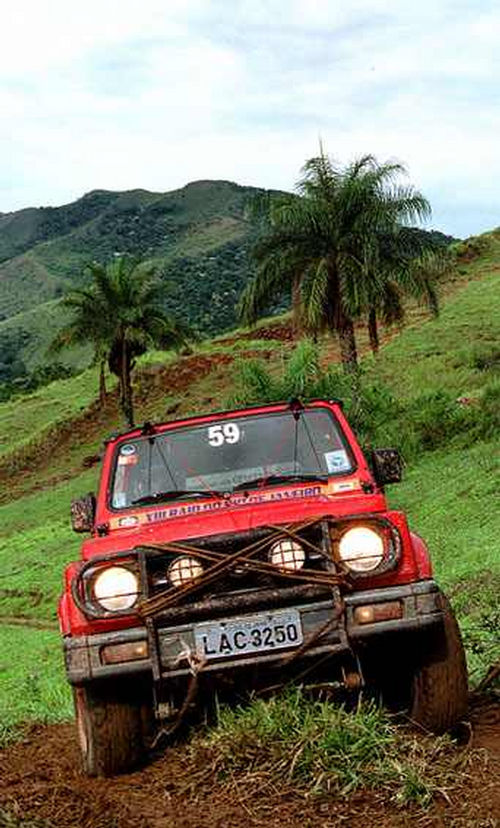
199,237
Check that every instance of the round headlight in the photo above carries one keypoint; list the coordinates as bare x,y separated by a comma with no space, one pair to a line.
287,555
184,570
361,549
116,588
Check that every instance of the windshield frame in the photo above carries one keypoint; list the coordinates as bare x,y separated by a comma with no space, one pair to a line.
255,412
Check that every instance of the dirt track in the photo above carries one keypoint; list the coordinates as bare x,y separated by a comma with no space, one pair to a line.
40,779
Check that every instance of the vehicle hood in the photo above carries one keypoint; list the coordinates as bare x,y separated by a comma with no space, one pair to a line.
164,523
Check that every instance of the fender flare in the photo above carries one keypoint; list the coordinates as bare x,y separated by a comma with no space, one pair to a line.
422,557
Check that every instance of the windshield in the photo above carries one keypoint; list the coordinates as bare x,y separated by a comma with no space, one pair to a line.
220,456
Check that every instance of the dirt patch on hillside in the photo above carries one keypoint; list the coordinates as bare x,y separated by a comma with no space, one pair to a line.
280,332
25,471
40,779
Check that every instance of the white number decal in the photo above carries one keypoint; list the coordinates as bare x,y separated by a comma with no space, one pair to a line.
231,432
220,434
215,435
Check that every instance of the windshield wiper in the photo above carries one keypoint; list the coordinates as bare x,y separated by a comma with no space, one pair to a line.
275,479
175,494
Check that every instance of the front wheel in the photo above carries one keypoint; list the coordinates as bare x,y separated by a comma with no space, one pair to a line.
422,675
439,683
112,729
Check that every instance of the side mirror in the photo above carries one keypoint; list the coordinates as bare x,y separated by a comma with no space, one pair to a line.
387,465
83,513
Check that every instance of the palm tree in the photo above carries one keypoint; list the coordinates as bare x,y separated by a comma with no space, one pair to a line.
412,267
86,326
331,240
121,315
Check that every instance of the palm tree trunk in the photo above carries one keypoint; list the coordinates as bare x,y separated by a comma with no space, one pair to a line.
373,331
348,350
125,386
340,323
296,307
102,383
349,357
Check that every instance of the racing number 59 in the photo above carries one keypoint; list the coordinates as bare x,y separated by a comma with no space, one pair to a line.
220,434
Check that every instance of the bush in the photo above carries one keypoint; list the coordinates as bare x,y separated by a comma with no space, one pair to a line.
433,419
369,407
487,423
41,376
426,423
470,248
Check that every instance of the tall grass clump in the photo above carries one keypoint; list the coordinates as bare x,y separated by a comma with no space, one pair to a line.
432,419
487,424
484,358
318,747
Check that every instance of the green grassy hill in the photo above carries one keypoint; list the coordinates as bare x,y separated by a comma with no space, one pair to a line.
450,491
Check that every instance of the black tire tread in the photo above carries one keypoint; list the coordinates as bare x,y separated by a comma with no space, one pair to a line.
114,727
439,697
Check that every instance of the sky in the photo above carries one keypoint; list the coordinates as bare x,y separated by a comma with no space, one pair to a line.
119,94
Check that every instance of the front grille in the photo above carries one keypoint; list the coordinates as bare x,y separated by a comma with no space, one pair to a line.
239,579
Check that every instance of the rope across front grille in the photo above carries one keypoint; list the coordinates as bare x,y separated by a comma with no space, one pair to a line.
222,563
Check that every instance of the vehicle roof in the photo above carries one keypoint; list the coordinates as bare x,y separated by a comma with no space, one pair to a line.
151,428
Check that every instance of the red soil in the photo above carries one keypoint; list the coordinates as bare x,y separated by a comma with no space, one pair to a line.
40,779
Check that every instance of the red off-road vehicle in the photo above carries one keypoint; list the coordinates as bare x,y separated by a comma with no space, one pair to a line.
248,548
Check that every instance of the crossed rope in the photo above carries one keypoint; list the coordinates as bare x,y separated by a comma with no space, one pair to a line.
222,563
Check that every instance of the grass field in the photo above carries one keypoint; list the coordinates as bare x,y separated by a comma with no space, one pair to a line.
32,679
43,409
443,353
450,494
449,497
35,548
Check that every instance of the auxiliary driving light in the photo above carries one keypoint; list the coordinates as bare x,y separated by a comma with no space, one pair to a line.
116,588
184,570
287,555
361,549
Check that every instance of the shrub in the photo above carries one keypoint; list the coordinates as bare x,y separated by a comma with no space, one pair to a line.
41,376
426,423
370,407
470,248
433,419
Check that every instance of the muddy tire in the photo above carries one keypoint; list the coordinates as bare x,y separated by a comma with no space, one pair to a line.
439,683
112,729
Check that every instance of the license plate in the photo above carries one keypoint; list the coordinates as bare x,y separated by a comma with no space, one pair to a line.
249,634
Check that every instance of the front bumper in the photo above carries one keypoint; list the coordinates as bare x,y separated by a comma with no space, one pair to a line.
326,631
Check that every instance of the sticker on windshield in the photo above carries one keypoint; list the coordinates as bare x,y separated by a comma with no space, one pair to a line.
119,500
223,433
128,449
337,461
128,460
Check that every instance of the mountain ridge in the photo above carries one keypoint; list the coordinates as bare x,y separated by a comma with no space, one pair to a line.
198,236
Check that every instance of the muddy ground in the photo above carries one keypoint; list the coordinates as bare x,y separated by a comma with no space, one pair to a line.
40,780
